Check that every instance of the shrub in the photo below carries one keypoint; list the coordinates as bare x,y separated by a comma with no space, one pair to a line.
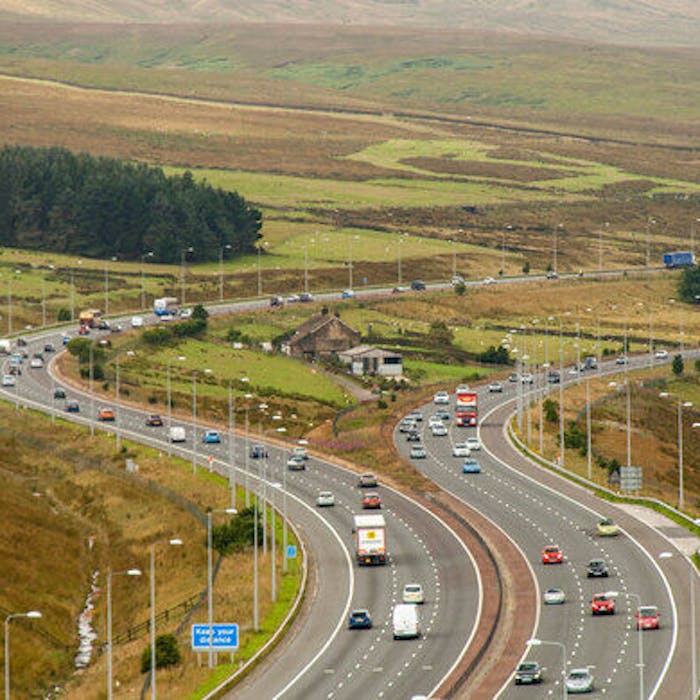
526,268
677,365
495,356
460,289
185,329
551,412
237,534
382,404
574,437
199,313
157,336
167,653
63,315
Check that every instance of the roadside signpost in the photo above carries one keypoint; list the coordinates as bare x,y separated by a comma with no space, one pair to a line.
224,637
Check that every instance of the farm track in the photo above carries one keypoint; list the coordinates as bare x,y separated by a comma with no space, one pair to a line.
356,112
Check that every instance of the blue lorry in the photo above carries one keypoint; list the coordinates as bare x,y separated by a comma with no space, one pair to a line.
683,258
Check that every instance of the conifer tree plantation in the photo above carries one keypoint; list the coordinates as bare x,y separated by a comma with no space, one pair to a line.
52,199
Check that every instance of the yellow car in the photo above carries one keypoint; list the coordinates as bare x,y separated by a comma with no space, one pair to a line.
607,528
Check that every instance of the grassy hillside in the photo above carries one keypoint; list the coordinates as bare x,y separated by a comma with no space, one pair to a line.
67,510
625,21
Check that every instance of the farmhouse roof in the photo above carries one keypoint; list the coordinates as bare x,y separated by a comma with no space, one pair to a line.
312,325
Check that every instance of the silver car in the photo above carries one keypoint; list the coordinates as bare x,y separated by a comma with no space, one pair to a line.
554,596
325,499
579,680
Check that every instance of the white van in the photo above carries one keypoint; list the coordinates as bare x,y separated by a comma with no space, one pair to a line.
137,321
177,434
406,621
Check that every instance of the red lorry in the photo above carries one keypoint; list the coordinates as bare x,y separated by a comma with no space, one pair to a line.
466,408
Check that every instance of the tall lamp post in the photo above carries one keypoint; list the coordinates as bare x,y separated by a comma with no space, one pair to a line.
541,642
173,542
221,270
31,614
284,505
210,594
640,638
168,390
9,299
681,405
110,574
149,254
114,259
183,253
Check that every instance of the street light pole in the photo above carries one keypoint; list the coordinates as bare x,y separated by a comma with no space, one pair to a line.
628,411
143,281
221,270
92,394
183,252
561,402
110,573
541,642
116,410
256,625
194,421
588,428
260,287
231,446
12,616
154,692
398,269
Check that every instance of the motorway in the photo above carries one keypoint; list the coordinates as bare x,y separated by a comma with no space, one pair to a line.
536,507
323,659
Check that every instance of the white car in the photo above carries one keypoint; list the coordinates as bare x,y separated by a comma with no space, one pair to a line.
621,360
527,378
438,430
473,443
413,593
495,388
489,280
137,321
324,499
8,380
457,280
461,449
433,421
441,397
554,596
579,680
661,354
36,363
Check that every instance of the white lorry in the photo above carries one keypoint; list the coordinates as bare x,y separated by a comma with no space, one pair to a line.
370,539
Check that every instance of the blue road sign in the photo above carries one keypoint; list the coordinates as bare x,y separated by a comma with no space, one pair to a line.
291,551
224,638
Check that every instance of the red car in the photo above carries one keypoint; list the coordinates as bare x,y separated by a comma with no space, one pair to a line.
371,500
83,330
602,604
552,554
647,617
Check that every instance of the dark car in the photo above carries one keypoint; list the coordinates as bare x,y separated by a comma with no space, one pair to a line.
258,452
418,285
49,347
528,672
21,342
59,393
72,407
442,414
154,420
15,369
597,568
305,297
553,377
412,436
276,301
360,620
103,325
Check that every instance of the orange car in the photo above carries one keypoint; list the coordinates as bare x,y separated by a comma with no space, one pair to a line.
552,554
106,414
